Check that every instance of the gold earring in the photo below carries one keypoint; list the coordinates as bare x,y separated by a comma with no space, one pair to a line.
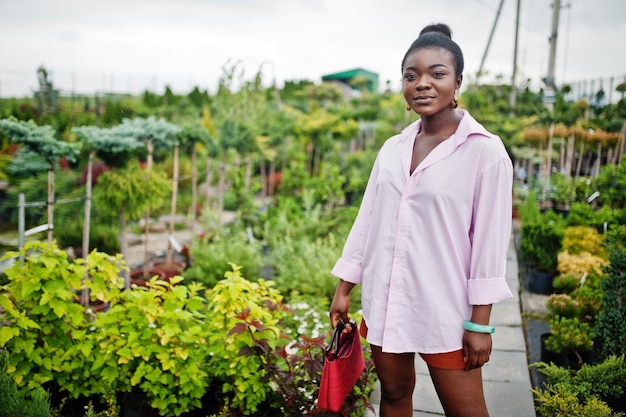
455,100
408,108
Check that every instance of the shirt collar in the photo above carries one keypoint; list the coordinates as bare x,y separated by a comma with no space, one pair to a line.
468,126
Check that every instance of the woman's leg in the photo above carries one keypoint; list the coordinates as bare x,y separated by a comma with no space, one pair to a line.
460,391
396,373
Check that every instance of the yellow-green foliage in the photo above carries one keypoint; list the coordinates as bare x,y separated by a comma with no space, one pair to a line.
557,401
583,254
233,302
579,264
578,239
581,392
4,162
44,328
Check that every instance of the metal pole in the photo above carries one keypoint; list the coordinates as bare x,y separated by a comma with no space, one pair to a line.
493,29
513,97
553,38
549,80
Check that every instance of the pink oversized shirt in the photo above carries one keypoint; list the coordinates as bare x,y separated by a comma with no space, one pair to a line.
428,246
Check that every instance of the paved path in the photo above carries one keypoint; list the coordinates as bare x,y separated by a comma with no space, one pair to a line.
506,376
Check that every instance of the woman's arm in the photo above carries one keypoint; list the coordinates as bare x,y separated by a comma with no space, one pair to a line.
341,303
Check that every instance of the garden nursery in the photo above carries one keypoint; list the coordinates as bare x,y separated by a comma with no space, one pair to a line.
234,321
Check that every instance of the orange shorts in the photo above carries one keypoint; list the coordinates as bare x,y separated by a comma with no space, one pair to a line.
447,360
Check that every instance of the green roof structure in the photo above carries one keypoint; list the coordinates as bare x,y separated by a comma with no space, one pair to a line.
368,78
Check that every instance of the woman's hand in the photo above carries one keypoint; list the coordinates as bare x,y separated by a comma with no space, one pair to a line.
477,346
341,304
476,349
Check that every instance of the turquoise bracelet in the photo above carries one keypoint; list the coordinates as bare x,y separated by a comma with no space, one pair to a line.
470,326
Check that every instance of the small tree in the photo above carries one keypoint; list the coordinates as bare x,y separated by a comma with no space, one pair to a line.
212,151
96,140
128,193
190,137
156,134
41,141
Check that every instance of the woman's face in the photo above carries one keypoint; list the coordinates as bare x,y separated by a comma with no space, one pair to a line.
429,80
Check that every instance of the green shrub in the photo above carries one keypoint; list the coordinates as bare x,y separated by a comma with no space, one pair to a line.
304,265
155,339
565,283
569,335
559,402
563,305
211,258
611,323
578,239
582,214
611,183
47,330
589,296
541,241
13,402
574,393
233,302
529,211
561,189
102,237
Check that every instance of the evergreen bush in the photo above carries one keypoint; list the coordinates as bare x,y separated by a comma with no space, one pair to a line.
541,241
583,392
14,403
611,324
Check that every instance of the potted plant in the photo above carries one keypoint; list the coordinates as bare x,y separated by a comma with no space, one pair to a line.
583,238
571,339
540,243
563,305
561,193
574,269
561,401
593,390
589,296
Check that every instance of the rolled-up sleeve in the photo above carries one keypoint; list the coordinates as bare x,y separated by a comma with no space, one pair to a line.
491,233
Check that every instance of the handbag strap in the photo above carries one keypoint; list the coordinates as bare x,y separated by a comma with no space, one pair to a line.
332,350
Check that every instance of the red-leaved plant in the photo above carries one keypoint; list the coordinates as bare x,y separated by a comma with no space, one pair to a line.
295,370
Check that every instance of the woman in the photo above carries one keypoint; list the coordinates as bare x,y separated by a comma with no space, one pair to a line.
429,242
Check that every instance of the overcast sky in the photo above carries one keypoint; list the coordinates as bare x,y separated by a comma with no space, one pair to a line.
133,45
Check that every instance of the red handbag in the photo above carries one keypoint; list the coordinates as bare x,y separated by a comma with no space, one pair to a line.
343,364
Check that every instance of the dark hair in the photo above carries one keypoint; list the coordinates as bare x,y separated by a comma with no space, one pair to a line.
437,36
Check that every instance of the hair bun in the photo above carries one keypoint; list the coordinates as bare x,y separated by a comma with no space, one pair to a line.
438,28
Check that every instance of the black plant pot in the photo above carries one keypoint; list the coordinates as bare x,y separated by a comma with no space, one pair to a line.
548,356
617,404
565,360
540,282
